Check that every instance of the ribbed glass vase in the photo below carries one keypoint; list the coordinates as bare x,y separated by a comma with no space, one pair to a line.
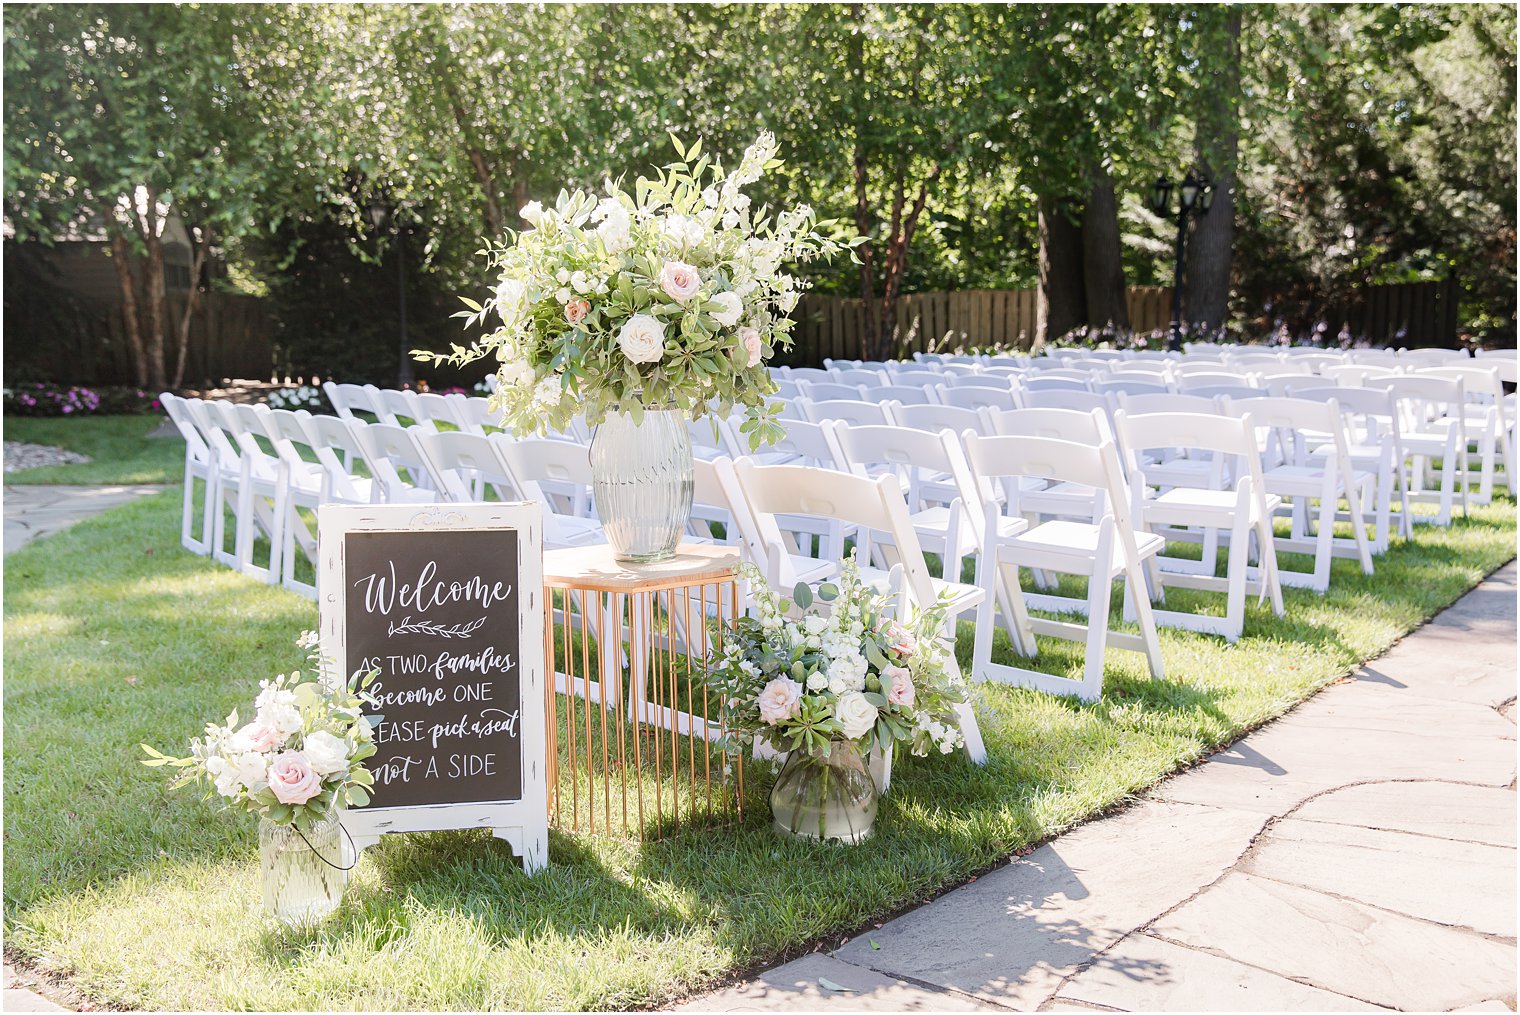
822,795
641,481
303,879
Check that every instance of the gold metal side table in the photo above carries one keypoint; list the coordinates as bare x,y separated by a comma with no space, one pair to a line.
631,726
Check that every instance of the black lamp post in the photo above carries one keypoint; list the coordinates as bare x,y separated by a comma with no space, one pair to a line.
379,211
1194,196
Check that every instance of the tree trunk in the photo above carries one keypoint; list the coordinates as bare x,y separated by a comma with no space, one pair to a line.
1206,298
155,298
121,261
1062,303
192,297
1102,257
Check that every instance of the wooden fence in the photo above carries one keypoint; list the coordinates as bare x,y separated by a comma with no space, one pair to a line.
1416,313
84,341
831,326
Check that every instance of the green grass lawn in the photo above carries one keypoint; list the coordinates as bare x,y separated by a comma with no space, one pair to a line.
114,636
120,447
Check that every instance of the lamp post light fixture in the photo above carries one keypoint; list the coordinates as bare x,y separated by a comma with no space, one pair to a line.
1195,195
379,211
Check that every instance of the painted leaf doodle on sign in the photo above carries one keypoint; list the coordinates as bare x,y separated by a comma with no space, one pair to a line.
438,617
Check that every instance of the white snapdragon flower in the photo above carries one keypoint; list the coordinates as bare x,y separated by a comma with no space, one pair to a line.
224,776
683,231
509,300
251,770
580,282
548,392
616,225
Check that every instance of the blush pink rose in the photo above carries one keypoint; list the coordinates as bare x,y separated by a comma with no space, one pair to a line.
261,737
679,280
576,311
749,339
780,699
292,779
901,690
901,639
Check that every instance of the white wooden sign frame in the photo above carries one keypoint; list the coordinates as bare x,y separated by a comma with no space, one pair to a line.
523,823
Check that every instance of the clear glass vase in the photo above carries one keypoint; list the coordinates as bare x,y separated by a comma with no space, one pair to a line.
822,795
641,481
303,878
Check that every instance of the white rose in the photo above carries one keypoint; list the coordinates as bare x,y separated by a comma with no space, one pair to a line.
252,771
779,700
514,374
814,624
817,682
548,392
838,685
642,339
532,212
327,754
856,714
730,308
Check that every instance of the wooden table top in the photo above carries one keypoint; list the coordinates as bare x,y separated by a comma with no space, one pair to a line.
593,567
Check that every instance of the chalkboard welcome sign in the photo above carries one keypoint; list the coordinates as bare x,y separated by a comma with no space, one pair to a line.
446,603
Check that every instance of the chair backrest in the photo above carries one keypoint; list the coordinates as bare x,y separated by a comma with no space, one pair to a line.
1207,379
1131,386
475,416
1080,401
1433,357
1378,357
1045,382
434,409
331,436
179,415
288,431
868,377
854,411
808,374
977,397
1285,385
396,405
393,449
819,391
996,382
709,436
1207,365
1291,421
1135,404
912,456
1228,439
935,418
907,394
875,506
1480,381
905,374
1075,425
465,465
804,440
1228,391
1356,374
1423,398
1003,460
347,399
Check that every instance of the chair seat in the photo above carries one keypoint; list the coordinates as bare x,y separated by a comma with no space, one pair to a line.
962,597
1187,505
1078,540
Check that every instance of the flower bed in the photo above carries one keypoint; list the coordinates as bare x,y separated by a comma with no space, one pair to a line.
46,399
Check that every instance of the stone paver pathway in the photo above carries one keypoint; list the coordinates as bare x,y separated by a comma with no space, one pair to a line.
1357,854
19,998
33,511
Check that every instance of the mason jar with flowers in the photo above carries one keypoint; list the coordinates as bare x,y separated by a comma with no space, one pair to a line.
639,309
295,765
827,680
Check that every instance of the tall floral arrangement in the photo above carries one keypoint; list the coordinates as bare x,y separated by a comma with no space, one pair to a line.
671,294
805,681
300,757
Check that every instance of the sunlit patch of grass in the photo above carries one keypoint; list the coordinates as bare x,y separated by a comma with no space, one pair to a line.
115,636
119,447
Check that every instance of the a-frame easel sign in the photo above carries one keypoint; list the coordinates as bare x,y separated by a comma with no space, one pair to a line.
446,602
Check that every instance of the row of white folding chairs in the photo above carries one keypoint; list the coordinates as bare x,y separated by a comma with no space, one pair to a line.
398,407
265,466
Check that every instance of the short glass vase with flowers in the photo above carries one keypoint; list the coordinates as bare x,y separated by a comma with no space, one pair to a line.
641,308
295,765
827,680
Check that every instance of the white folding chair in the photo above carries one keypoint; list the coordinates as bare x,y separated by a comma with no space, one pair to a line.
1071,400
1102,550
1490,428
397,463
925,467
465,467
935,418
907,394
1238,515
342,455
1433,428
1315,464
871,506
199,465
257,489
1376,445
536,462
348,399
303,486
867,377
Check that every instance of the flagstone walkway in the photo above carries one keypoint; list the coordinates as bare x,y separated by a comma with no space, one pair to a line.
33,511
1357,854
